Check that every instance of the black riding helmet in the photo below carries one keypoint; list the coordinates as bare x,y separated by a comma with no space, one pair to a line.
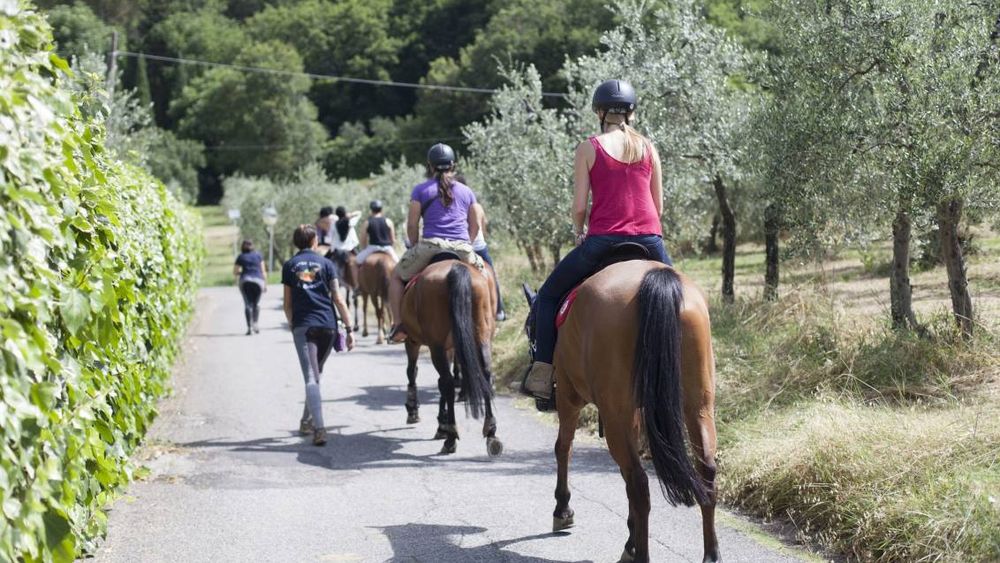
614,96
375,205
441,157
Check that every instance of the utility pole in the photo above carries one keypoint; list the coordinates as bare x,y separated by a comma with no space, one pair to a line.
112,77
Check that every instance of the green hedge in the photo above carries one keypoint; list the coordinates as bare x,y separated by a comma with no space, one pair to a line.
98,269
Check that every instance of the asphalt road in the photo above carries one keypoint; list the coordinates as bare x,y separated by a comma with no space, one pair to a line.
231,480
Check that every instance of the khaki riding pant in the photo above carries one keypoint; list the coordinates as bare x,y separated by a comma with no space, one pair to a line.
417,258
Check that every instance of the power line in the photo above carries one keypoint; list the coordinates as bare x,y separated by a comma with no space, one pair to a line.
262,147
317,76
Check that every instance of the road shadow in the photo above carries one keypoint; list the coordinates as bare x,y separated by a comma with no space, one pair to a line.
388,397
434,542
386,448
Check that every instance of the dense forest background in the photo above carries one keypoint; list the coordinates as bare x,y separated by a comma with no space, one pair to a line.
207,122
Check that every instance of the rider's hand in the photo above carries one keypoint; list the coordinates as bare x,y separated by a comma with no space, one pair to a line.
580,238
350,341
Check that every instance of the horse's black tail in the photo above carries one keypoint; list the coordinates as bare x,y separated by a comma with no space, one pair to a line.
463,334
658,386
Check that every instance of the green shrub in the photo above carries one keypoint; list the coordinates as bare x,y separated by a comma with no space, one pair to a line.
98,266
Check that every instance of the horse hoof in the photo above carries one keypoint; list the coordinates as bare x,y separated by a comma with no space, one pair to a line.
364,333
448,448
412,418
494,446
559,524
355,329
627,556
379,340
712,558
440,435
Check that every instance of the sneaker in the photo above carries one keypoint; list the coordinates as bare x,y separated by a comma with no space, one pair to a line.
306,427
319,437
256,329
538,382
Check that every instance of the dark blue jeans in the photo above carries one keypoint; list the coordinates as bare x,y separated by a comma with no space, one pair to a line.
573,269
485,255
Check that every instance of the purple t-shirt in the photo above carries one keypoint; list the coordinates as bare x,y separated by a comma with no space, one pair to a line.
451,222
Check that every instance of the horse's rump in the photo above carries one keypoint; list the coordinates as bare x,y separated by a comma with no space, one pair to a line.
426,302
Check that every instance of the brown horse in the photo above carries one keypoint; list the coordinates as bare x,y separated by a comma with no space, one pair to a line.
637,344
450,309
347,266
373,283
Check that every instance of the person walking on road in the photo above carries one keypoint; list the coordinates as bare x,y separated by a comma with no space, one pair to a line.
619,170
251,278
378,234
312,305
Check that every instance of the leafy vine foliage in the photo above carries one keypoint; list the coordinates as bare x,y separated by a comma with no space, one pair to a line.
98,268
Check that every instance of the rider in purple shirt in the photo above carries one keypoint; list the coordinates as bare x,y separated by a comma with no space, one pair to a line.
450,224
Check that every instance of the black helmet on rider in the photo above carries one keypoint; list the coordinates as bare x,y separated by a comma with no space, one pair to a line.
441,157
375,205
614,96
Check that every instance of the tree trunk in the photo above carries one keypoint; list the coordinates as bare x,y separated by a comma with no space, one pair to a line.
900,292
712,245
949,214
772,224
529,251
728,239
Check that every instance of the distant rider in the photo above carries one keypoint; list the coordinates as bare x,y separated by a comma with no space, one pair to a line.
620,170
378,234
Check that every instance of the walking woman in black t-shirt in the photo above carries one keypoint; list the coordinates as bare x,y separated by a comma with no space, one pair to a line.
251,278
311,296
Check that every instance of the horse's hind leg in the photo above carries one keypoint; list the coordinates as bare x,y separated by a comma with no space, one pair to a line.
446,386
412,403
698,373
569,405
494,446
622,437
364,314
379,316
354,298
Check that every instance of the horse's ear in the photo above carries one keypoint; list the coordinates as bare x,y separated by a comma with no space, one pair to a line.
528,293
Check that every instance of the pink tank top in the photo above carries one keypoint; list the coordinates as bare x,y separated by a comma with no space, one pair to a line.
621,203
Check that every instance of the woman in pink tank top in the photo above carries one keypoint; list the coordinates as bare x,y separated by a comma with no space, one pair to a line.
618,171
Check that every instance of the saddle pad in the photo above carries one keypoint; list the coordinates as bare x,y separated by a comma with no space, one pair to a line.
565,307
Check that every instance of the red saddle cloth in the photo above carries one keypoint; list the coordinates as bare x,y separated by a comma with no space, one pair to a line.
565,307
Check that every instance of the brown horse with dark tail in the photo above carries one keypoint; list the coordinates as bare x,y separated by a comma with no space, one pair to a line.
373,284
637,344
450,308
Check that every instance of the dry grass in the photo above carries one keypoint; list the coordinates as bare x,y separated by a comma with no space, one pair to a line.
875,483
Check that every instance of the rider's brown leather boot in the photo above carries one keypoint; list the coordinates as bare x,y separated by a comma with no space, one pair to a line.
539,380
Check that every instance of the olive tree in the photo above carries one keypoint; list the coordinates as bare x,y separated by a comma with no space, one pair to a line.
884,113
522,155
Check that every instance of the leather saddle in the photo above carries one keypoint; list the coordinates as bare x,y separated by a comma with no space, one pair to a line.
621,252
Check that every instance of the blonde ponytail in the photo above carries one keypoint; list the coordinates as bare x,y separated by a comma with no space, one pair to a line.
635,144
